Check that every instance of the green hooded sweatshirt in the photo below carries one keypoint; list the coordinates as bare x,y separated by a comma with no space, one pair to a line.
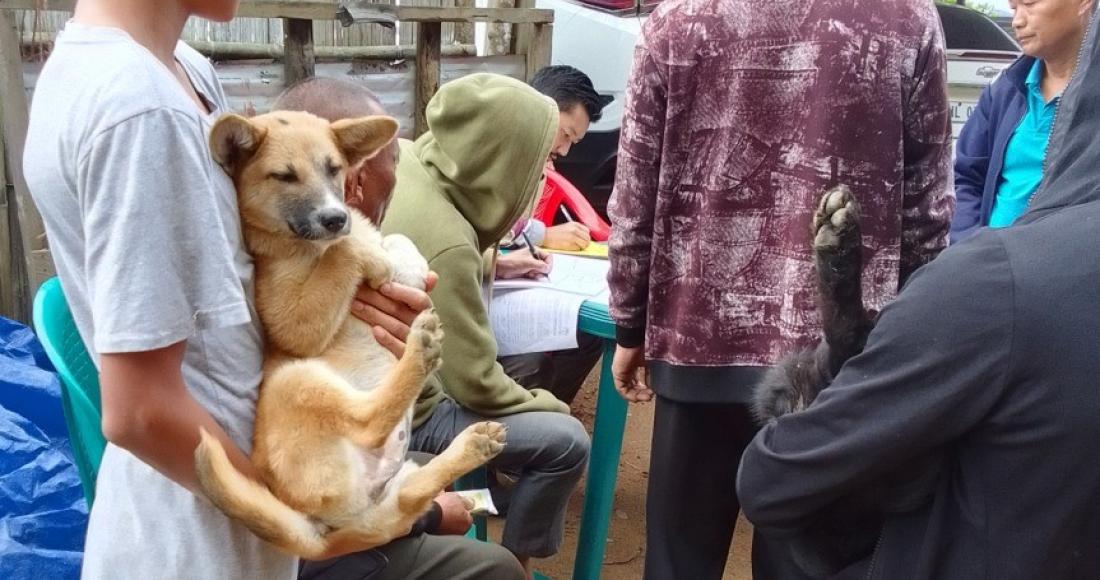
460,187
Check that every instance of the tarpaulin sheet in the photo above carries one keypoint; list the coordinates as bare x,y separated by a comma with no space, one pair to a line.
43,515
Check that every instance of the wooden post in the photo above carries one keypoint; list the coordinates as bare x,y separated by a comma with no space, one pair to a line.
522,34
464,33
298,60
11,305
428,38
30,263
498,36
540,49
12,273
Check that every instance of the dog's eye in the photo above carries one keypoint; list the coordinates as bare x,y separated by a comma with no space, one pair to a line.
333,169
284,176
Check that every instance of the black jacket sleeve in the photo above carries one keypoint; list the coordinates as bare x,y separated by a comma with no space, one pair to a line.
935,364
429,522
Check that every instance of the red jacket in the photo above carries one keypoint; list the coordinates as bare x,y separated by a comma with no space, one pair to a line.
739,115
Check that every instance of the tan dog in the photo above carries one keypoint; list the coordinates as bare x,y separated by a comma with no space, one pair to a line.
332,420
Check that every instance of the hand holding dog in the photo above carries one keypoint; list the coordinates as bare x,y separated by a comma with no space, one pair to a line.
390,311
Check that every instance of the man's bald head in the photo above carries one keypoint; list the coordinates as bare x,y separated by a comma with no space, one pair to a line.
369,187
331,99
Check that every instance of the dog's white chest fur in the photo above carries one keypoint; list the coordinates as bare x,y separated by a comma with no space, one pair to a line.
373,363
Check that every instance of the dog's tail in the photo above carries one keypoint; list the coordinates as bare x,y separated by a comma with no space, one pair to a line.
253,504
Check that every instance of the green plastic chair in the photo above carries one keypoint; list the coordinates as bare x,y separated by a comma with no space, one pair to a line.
79,381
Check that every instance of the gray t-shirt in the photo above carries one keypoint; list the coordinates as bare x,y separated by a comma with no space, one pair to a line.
144,231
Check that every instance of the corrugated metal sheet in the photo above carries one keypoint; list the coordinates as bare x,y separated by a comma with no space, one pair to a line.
264,30
258,84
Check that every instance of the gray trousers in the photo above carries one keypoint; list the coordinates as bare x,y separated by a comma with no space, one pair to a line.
548,450
421,557
561,372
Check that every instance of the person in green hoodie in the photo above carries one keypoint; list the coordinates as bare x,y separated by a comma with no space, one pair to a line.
460,187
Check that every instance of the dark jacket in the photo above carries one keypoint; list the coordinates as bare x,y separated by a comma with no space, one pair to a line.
989,358
739,114
980,152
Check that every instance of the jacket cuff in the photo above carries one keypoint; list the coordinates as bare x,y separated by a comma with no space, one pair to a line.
429,522
536,230
629,337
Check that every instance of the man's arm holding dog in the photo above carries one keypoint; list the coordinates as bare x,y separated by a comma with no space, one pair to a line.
391,309
148,411
155,279
926,377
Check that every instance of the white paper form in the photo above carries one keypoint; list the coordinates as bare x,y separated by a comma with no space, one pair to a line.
584,276
603,298
534,320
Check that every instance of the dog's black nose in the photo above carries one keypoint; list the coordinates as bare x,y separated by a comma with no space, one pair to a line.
333,220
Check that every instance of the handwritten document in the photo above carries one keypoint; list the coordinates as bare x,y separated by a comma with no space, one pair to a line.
534,320
584,276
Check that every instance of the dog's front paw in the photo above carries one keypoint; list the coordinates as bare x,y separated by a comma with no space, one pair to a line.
426,338
481,442
374,264
836,222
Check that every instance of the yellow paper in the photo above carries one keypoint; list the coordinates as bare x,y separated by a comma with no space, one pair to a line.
594,250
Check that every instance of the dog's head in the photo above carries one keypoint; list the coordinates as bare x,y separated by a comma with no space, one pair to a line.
289,169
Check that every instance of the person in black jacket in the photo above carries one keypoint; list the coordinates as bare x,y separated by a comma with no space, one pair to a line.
990,359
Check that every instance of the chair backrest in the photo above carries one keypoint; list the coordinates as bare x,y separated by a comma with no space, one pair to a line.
557,192
79,380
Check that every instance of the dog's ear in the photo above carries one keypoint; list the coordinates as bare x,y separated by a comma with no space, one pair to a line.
361,138
234,140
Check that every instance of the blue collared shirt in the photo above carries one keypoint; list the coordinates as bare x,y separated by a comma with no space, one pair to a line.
1023,161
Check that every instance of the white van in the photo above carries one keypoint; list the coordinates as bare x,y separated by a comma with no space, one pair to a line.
598,37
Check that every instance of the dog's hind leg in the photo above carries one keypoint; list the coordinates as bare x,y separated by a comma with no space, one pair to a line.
396,393
476,444
299,437
838,256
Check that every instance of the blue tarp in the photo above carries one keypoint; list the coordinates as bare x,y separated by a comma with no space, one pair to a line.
43,515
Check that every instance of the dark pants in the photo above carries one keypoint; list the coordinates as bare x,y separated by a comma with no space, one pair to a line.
562,372
772,560
691,503
421,557
547,451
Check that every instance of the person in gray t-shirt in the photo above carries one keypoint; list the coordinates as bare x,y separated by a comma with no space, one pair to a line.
144,231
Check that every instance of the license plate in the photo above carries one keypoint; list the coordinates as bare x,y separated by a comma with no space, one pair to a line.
961,111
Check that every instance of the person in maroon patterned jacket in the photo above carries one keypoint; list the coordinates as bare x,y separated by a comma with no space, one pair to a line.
739,115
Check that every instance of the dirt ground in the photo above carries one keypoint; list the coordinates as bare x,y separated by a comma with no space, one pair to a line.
626,542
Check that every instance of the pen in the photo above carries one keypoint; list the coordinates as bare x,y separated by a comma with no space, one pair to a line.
534,251
565,212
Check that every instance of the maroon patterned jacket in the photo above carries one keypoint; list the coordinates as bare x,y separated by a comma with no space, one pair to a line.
739,115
